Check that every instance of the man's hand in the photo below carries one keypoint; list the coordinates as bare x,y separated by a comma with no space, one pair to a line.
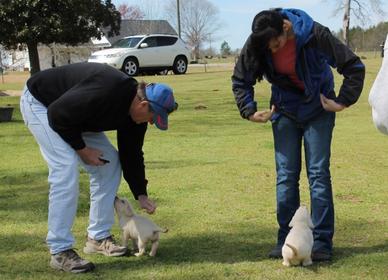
146,204
262,116
330,105
91,156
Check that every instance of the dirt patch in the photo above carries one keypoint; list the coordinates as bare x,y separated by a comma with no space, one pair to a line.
11,93
349,197
15,77
12,83
14,92
200,107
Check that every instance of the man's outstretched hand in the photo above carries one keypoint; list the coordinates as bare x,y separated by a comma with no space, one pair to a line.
147,204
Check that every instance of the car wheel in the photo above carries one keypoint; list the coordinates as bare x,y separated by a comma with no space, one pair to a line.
130,66
180,65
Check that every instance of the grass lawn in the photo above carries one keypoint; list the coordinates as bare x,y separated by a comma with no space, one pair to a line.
212,175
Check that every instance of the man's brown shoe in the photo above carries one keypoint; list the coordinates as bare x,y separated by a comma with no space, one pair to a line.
70,261
104,246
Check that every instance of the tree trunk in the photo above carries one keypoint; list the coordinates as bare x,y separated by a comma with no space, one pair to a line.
196,53
34,57
346,22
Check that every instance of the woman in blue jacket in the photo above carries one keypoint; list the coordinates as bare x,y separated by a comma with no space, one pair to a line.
294,54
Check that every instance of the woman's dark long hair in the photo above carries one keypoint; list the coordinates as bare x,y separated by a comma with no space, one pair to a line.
266,25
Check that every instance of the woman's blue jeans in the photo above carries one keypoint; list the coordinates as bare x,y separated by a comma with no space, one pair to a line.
316,136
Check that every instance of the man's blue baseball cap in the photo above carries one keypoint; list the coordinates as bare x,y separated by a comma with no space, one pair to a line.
162,103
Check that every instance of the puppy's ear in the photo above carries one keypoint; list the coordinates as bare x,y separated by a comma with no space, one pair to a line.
292,223
308,219
129,210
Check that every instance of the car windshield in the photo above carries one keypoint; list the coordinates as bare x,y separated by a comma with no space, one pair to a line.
127,42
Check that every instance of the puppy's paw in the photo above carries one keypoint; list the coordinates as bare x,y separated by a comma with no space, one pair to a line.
133,252
139,254
307,262
286,263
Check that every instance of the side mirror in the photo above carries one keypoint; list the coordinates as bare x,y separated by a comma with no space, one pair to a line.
143,45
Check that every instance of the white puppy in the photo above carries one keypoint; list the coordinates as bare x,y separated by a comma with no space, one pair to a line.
299,241
137,228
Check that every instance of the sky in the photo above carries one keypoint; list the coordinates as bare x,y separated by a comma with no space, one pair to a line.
236,16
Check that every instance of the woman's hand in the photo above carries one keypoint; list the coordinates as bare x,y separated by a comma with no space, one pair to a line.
330,105
262,116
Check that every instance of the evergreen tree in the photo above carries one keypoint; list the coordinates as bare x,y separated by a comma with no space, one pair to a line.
225,49
71,22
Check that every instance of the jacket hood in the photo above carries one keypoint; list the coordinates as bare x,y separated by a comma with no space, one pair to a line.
302,25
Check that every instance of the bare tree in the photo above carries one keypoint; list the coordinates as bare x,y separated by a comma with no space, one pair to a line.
199,21
130,12
360,9
152,9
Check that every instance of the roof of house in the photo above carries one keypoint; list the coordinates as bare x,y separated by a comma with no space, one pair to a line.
134,27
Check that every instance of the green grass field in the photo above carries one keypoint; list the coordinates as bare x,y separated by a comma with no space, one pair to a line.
212,175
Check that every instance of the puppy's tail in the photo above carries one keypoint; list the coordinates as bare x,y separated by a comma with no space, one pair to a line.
158,229
293,249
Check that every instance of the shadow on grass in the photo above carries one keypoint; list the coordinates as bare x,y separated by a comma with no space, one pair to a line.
22,243
216,247
27,192
17,133
249,245
23,191
22,179
207,248
177,163
350,251
16,121
212,248
341,253
226,249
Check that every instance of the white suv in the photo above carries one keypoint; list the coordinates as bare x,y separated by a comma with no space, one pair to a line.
154,52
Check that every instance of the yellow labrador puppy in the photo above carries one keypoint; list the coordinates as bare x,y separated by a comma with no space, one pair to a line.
299,241
137,228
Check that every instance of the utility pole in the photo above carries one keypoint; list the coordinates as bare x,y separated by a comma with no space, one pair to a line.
179,18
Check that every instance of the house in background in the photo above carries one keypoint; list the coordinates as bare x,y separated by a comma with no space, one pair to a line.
14,59
54,55
134,27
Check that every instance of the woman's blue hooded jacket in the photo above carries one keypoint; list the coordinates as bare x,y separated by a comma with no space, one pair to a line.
316,50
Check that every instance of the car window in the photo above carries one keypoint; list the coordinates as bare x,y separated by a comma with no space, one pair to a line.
166,41
127,42
151,42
